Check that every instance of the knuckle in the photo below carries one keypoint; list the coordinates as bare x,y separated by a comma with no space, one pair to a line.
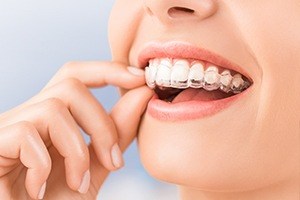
27,131
46,164
69,65
67,69
25,127
83,155
71,84
54,105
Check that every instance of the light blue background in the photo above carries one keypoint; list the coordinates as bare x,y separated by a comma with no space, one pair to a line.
36,38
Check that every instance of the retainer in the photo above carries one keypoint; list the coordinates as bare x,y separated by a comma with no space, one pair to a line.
181,74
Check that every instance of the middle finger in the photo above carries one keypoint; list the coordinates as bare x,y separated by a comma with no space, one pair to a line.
91,117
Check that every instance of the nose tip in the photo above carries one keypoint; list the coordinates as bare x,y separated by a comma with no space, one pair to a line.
174,10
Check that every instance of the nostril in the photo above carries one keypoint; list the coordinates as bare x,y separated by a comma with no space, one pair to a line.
182,9
179,11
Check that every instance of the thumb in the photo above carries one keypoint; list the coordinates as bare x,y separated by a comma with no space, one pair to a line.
127,114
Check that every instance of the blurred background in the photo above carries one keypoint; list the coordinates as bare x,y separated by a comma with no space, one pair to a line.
36,39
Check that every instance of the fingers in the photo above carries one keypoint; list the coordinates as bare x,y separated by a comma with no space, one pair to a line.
70,85
66,103
127,114
64,134
98,74
86,110
91,117
22,141
57,127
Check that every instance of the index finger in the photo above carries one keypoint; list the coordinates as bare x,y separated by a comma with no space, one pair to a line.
99,74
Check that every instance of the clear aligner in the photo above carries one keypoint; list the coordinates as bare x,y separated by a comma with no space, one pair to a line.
180,75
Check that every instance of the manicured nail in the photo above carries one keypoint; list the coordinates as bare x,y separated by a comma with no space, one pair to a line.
116,156
42,191
85,183
136,71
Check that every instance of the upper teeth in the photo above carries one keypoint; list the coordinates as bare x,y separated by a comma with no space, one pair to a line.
180,73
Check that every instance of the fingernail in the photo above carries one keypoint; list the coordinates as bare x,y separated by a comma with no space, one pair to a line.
116,156
136,71
42,191
85,183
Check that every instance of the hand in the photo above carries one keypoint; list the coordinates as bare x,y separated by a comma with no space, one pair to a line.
41,147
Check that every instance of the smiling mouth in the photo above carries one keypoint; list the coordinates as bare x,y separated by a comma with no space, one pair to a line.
190,82
179,80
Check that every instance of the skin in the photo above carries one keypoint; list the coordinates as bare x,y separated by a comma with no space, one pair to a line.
46,128
255,154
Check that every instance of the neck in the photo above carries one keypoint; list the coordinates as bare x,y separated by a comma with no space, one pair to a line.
287,191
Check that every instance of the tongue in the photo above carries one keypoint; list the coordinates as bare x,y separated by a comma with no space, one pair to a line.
199,95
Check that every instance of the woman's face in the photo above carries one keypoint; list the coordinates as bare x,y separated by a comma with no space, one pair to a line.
249,143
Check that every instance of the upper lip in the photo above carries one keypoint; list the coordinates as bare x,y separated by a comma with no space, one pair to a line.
178,49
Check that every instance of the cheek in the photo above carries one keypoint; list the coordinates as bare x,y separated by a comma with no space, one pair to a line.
276,46
188,153
216,154
123,25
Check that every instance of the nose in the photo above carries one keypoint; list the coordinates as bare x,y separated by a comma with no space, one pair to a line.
175,10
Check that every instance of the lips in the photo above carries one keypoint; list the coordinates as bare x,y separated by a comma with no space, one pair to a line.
185,50
172,104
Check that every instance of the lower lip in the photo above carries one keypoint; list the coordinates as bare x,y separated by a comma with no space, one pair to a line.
189,110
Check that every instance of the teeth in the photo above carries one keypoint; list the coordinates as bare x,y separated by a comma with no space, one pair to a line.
211,79
196,75
164,73
151,71
147,76
166,62
237,84
181,74
225,81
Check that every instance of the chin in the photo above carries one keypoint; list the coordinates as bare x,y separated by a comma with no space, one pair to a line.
210,124
220,152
